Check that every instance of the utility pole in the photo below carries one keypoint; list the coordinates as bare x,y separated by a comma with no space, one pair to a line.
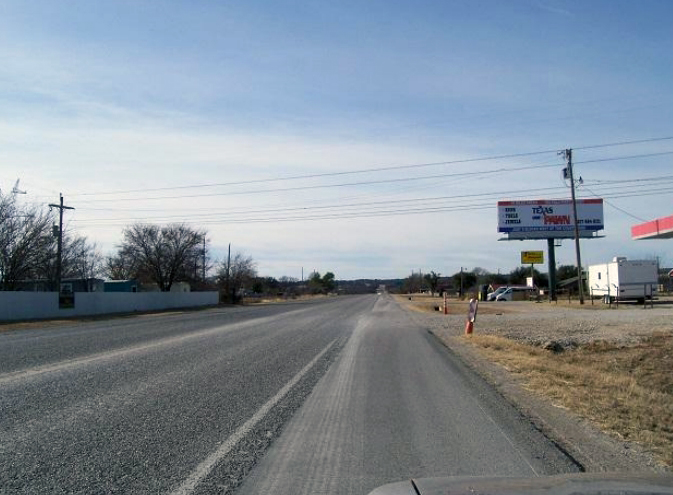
204,259
229,273
461,282
569,156
59,253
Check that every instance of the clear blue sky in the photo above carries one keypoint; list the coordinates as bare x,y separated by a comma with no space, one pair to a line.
102,97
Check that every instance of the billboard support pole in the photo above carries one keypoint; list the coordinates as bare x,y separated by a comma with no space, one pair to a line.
551,255
569,157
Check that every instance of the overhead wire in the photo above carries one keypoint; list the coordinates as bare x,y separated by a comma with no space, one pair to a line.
383,213
321,175
454,197
374,169
321,209
609,203
623,143
380,181
322,186
378,208
614,186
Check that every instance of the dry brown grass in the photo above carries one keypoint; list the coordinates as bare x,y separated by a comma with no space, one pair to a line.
426,303
625,390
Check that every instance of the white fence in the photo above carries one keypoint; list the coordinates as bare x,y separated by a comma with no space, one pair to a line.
39,305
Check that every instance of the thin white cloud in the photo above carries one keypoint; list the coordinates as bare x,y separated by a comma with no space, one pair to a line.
82,114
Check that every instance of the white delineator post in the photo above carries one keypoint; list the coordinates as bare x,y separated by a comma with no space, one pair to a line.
471,316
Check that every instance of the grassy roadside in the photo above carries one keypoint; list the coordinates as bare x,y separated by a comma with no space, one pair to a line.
427,304
617,372
626,390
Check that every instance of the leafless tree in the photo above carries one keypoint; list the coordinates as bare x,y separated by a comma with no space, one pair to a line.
412,283
83,259
28,247
163,255
119,267
25,238
80,259
236,275
432,279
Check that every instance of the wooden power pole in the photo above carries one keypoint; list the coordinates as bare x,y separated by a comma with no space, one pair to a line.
59,254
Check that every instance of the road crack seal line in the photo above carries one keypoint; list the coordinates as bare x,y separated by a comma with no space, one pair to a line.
206,466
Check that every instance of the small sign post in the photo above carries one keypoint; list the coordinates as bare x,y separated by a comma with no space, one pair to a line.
532,258
471,316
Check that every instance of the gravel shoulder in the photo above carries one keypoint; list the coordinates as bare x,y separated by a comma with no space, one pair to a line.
539,325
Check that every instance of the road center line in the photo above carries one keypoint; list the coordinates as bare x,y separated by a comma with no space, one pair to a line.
206,466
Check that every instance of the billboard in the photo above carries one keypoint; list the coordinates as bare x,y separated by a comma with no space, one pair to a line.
532,257
542,218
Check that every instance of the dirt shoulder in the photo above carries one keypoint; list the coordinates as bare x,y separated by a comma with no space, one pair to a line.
597,381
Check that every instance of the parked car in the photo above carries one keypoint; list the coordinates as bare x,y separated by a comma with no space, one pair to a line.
492,295
515,294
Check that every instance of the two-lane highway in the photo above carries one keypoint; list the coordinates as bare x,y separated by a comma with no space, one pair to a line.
190,402
135,404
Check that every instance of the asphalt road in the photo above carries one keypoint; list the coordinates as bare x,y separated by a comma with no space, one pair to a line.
335,396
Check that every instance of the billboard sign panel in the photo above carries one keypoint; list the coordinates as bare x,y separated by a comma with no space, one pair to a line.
549,218
532,257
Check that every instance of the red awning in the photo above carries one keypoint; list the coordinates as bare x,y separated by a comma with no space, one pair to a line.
661,228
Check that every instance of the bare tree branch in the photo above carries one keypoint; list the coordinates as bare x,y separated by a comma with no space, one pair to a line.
163,255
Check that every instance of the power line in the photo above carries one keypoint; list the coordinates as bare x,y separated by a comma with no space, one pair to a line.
366,203
328,186
326,174
343,206
664,178
213,211
615,206
382,211
627,157
378,182
611,189
624,143
374,169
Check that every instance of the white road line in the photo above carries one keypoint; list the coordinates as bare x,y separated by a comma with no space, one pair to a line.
127,351
203,469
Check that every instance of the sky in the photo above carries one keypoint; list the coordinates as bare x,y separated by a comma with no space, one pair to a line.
370,139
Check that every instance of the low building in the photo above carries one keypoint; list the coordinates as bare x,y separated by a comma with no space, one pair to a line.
121,286
68,285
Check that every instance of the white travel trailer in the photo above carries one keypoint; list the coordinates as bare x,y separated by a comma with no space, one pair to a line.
623,279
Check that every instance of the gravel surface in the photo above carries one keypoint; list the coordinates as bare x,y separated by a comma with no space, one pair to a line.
538,324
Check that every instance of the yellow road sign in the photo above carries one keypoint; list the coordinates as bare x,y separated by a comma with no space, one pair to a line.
532,257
